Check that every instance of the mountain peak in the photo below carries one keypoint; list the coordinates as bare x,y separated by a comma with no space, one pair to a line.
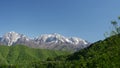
11,37
57,38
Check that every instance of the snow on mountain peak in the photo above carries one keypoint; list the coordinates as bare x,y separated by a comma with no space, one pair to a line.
76,40
12,37
50,38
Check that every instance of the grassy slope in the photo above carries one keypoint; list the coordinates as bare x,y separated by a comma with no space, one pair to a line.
22,54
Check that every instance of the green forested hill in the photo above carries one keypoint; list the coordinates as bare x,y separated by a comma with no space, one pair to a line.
102,54
20,54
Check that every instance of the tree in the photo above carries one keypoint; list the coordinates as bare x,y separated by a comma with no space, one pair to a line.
115,30
116,27
119,17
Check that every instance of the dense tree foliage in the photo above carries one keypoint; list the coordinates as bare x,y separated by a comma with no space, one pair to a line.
102,54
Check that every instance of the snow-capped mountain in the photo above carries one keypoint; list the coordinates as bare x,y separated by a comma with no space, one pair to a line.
47,41
12,37
57,38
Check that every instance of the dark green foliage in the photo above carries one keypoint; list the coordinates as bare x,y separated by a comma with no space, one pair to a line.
102,54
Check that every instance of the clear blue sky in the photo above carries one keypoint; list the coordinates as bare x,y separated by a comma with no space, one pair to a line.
87,19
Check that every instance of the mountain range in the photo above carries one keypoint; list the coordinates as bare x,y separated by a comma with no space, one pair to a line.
46,41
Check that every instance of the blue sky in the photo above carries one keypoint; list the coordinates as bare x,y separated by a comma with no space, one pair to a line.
87,19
